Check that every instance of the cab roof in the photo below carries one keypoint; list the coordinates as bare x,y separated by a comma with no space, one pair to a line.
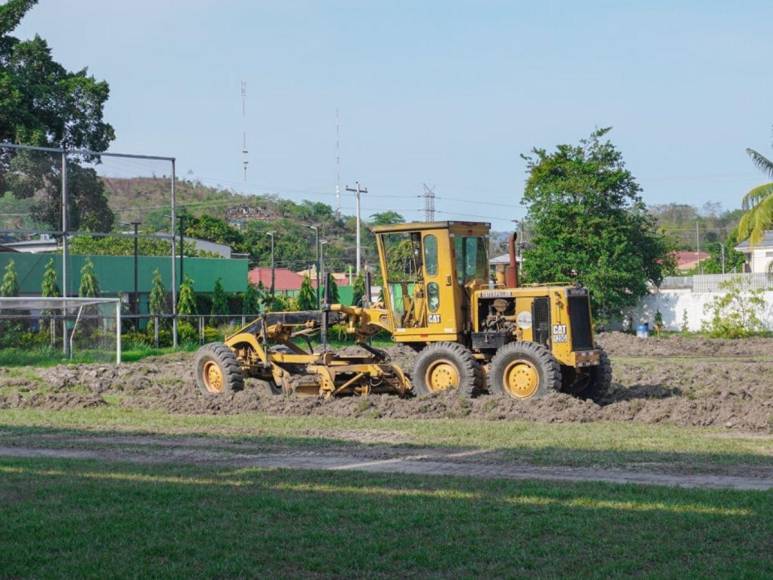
479,228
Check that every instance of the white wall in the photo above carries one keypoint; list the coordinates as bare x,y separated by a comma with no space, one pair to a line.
672,304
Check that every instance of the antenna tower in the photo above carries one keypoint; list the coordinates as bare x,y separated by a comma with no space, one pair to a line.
338,163
429,203
245,161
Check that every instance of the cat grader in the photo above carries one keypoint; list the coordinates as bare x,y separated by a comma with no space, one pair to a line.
472,333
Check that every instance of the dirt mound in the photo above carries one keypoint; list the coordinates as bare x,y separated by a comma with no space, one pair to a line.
621,344
736,394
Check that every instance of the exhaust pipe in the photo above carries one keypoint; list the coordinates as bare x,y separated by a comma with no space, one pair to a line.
511,273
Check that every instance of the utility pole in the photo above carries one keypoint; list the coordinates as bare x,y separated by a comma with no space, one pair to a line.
429,203
136,304
272,263
65,252
698,245
325,297
722,252
357,191
338,164
316,266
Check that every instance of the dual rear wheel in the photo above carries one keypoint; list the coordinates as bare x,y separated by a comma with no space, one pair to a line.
519,370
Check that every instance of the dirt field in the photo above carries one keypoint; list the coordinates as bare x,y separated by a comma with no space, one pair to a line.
683,381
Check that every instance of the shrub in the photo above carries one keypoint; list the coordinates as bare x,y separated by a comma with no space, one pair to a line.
736,313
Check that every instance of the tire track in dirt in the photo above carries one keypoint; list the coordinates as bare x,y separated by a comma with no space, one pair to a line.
430,465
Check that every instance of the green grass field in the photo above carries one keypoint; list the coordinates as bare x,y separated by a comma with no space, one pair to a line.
87,519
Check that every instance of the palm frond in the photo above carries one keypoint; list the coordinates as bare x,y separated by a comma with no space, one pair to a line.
756,221
763,163
756,196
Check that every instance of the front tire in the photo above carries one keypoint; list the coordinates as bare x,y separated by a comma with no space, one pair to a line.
217,370
600,380
524,370
445,366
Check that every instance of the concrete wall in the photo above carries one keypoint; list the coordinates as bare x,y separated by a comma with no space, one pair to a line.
673,303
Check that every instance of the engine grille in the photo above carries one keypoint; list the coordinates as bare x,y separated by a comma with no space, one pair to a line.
579,317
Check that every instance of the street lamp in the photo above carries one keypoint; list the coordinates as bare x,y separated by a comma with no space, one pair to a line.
316,266
272,262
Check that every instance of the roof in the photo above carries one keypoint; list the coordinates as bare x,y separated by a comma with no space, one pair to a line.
284,279
765,243
414,226
503,259
686,260
7,249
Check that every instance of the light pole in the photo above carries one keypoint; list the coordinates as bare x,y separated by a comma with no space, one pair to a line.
357,191
272,263
316,266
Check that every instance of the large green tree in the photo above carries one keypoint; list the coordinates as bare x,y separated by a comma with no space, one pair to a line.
89,286
42,103
589,224
50,287
307,297
9,285
758,203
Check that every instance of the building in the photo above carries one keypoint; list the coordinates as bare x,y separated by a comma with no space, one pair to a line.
285,280
47,244
759,258
341,278
686,261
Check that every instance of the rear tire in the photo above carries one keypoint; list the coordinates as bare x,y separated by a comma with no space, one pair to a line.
217,370
524,370
445,366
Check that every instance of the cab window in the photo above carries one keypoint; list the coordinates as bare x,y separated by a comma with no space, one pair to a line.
471,258
430,255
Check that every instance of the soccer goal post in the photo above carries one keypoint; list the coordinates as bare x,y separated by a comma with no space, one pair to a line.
84,328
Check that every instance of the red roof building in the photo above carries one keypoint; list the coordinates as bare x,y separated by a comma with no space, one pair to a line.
284,279
688,260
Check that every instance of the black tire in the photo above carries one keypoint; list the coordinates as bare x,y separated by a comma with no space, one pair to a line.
536,364
600,379
458,356
268,387
217,370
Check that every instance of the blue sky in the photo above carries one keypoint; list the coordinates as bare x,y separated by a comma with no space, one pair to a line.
446,93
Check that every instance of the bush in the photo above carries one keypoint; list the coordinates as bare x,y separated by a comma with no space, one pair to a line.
736,313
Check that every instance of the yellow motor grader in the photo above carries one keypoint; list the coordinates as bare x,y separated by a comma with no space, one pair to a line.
472,332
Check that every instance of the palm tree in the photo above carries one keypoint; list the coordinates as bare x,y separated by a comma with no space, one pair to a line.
758,204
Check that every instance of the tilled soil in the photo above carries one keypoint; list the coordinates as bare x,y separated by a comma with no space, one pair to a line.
682,381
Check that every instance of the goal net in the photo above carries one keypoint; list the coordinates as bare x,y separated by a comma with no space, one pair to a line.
82,329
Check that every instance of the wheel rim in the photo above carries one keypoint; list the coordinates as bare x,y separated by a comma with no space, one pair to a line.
213,377
441,376
521,379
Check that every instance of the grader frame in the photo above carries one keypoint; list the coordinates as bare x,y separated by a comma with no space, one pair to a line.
472,333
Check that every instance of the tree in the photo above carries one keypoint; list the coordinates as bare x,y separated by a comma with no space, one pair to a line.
89,287
358,290
758,204
252,300
157,298
42,103
10,284
219,299
332,290
186,302
386,218
307,297
50,287
590,225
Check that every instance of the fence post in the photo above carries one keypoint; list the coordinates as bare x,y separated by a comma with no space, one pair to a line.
155,329
201,330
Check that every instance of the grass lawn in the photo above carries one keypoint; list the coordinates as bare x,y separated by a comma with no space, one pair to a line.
87,519
576,444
